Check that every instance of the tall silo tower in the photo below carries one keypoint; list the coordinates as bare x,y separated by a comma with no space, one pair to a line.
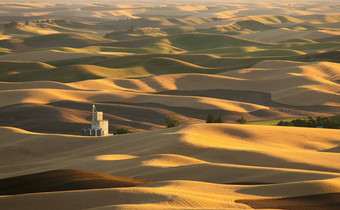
98,123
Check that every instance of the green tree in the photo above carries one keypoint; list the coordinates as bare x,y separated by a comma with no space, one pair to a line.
284,123
172,121
12,24
281,123
131,30
242,120
319,121
300,123
219,119
328,122
210,118
311,122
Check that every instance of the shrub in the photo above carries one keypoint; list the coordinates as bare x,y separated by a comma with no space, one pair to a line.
172,121
242,120
122,131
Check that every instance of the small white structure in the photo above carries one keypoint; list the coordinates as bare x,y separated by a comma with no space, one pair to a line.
98,124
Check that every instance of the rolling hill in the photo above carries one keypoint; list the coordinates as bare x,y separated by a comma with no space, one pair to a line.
268,90
284,34
242,164
62,180
248,26
192,41
52,40
274,19
145,62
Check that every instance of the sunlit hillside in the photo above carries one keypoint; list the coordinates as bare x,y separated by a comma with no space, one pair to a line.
210,105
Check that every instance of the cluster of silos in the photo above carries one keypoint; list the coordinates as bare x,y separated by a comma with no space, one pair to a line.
91,132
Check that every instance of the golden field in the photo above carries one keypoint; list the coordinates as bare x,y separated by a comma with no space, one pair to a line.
141,62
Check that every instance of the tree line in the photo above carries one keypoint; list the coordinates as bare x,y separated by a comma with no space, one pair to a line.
322,122
14,24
